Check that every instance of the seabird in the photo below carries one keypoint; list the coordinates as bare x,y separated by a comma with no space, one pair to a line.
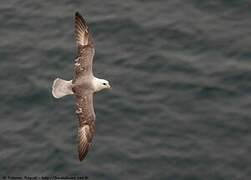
83,85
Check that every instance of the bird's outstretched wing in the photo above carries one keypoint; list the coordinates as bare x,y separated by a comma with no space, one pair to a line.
83,62
86,116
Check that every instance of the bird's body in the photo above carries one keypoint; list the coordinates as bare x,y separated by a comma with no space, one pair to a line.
83,85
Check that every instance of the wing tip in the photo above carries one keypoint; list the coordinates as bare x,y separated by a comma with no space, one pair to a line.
82,34
82,156
77,14
78,17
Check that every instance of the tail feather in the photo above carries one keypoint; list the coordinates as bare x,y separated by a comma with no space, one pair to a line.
61,88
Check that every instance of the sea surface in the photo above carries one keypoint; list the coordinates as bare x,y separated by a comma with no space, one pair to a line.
180,108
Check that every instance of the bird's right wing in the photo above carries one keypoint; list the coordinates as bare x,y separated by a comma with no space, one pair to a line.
83,62
86,116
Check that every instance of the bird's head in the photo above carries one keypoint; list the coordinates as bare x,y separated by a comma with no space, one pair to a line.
102,84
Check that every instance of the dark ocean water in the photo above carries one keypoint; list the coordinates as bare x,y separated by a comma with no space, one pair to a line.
180,108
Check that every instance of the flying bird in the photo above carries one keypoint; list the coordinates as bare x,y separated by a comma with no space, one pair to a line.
83,85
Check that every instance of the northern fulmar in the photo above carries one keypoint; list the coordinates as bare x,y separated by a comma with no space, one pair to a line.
83,85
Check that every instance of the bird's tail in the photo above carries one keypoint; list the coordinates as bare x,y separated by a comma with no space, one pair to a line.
61,88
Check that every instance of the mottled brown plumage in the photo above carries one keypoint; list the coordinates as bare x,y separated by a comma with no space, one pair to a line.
86,116
83,86
83,62
84,95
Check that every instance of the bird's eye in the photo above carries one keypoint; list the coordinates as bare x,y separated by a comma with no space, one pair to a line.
104,83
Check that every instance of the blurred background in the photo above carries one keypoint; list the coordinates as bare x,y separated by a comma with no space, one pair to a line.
180,108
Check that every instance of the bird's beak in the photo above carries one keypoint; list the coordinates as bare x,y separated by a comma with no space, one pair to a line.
110,88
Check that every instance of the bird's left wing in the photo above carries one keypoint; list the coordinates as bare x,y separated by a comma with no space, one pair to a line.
83,62
86,116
